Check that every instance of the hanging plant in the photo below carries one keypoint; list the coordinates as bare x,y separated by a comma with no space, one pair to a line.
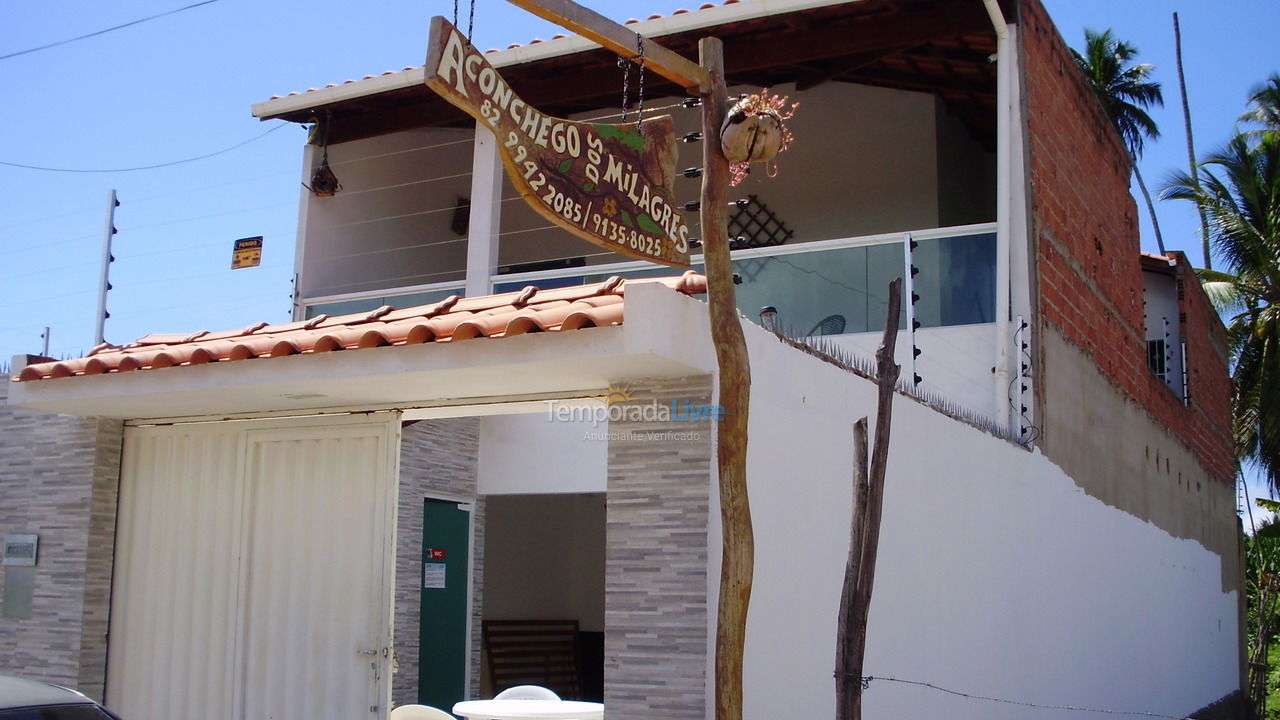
755,130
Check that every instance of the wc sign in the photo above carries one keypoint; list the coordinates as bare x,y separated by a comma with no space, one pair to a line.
433,570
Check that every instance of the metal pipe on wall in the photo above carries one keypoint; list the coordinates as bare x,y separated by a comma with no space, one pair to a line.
1004,170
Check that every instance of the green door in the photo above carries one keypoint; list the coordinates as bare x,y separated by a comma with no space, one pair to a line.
442,644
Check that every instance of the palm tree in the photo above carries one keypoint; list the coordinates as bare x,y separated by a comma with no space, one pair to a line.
1264,107
1239,192
1125,91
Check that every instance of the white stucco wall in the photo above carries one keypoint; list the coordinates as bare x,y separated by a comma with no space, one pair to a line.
954,361
531,454
389,226
544,559
997,575
874,171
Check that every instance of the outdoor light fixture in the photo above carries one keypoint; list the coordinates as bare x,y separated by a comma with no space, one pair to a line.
768,315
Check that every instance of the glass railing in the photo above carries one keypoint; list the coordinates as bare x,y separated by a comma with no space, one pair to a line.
835,287
831,287
401,298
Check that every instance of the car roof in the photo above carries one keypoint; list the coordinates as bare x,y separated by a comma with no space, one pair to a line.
18,692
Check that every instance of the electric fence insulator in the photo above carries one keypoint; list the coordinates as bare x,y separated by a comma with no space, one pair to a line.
691,137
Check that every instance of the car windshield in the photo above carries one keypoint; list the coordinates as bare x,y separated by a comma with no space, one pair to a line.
57,712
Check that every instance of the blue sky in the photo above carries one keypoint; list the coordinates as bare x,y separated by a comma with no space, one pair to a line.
180,86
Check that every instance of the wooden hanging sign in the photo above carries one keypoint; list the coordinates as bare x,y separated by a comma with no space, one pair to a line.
610,184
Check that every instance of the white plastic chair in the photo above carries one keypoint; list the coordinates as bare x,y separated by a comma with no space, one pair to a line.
526,692
419,712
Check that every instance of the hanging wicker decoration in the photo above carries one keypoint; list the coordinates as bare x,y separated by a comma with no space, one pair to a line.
323,182
755,130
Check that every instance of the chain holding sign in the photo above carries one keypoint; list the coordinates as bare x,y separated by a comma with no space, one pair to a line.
608,184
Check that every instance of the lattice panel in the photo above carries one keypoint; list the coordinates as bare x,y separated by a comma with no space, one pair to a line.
756,226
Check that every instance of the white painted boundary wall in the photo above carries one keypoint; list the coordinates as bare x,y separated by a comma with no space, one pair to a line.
997,575
954,361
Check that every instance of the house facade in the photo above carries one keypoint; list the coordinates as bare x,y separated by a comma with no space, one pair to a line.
476,419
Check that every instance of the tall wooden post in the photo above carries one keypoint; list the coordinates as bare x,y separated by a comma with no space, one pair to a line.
706,80
738,552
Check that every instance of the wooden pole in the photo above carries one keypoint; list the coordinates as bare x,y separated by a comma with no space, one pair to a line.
848,683
738,550
860,573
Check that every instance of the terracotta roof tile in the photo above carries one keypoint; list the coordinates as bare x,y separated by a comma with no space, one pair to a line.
453,319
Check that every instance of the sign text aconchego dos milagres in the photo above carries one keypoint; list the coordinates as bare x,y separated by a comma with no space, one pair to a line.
609,184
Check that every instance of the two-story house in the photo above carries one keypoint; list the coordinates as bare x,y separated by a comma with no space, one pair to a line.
475,418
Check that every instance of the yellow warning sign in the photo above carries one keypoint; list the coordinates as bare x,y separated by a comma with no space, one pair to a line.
247,253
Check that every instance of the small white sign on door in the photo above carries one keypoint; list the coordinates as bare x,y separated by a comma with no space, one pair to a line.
433,576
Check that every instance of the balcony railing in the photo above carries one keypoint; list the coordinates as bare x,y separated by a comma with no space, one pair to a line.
829,287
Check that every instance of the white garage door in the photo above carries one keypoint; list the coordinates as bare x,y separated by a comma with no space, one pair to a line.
253,571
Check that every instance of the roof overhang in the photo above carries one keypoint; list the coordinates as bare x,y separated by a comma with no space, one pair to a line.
279,107
941,47
664,335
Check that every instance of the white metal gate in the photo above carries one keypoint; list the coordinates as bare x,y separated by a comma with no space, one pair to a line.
253,571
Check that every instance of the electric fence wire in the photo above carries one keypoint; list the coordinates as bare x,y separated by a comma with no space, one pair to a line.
1024,373
147,167
866,680
625,114
782,259
364,158
107,30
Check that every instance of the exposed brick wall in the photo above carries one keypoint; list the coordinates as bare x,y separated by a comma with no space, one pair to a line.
1086,251
59,477
1206,425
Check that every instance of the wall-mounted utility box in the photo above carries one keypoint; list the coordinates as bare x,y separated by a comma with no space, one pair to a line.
21,548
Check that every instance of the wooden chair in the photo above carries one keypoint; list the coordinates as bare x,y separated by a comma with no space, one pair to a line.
534,652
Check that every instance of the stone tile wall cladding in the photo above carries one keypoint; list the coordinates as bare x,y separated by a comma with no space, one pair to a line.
59,476
438,459
656,559
1085,246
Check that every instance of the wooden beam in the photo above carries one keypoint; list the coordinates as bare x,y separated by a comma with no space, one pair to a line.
846,38
621,40
847,65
